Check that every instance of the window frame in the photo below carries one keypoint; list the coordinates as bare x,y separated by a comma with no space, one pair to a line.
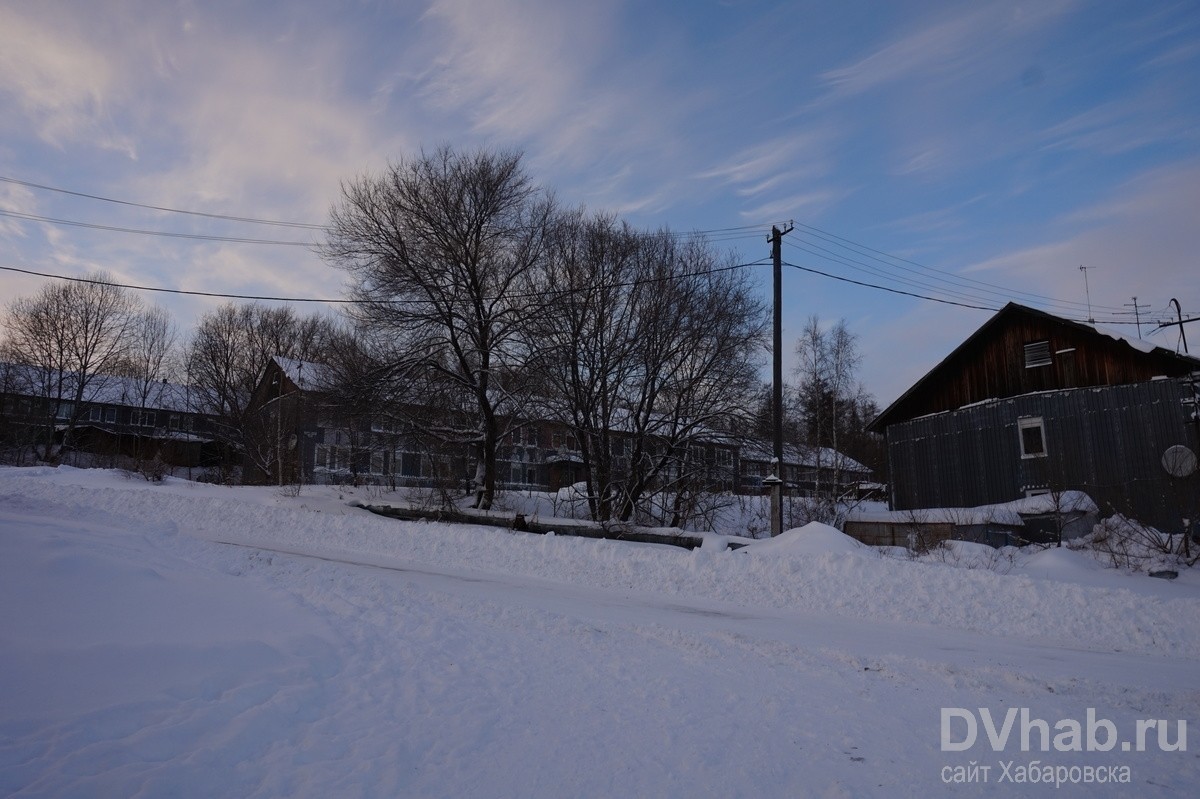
1032,423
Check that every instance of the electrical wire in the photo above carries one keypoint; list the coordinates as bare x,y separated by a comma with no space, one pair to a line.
828,255
872,252
924,296
967,291
891,290
168,234
345,301
716,234
247,219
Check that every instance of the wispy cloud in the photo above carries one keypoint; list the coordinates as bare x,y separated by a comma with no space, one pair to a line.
520,69
1141,241
62,83
1124,125
946,47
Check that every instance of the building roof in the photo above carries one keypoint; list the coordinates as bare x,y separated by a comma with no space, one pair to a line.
804,456
305,375
103,389
913,402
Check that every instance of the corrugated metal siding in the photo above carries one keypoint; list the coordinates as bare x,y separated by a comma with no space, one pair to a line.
1106,441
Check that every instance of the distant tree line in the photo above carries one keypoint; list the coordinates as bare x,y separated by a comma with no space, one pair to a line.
477,295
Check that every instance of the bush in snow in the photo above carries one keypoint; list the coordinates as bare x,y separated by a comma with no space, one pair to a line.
1126,543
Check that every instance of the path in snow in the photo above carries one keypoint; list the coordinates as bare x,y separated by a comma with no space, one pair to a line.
140,658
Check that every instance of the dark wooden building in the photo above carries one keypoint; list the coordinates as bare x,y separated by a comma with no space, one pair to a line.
1031,404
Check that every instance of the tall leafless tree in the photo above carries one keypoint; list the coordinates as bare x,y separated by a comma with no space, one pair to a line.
70,336
441,249
650,343
227,358
701,329
148,364
586,339
834,405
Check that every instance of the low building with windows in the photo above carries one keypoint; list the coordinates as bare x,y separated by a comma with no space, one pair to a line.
807,471
306,434
112,418
1033,404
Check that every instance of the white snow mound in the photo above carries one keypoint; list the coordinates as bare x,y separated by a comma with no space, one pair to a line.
813,538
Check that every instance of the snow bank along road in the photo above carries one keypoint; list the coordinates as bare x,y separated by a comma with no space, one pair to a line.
192,640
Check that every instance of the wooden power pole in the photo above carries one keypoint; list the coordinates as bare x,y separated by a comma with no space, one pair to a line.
775,481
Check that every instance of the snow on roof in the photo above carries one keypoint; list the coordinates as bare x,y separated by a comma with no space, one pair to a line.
1010,513
802,456
304,374
1141,345
958,516
104,389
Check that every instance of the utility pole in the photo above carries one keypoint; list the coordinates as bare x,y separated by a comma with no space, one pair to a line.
1137,315
775,481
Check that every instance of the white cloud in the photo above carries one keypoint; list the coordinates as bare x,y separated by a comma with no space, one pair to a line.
521,68
1141,241
62,83
948,48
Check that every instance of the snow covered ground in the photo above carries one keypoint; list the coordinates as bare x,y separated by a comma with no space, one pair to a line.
192,640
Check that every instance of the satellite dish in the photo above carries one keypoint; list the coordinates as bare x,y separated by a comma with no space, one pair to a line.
1179,461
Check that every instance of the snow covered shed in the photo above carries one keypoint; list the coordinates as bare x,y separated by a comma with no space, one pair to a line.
1042,519
1031,404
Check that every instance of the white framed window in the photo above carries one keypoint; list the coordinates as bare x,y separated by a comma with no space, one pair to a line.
1032,434
1037,353
143,418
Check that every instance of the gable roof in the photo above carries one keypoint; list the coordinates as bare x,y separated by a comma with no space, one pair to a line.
909,405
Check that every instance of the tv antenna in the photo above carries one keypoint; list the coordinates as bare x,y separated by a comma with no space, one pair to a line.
1088,291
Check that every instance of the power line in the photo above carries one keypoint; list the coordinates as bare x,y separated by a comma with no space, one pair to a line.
345,301
163,290
868,251
166,233
885,288
828,255
251,220
923,296
723,234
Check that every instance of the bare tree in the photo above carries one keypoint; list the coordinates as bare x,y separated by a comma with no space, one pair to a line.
441,249
834,407
586,338
700,331
70,336
649,343
147,365
227,358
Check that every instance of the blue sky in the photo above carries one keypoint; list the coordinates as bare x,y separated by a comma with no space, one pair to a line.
973,152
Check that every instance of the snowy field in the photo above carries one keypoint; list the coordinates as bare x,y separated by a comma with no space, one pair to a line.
190,640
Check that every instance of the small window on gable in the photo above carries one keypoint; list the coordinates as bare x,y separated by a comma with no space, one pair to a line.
1037,353
1033,437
